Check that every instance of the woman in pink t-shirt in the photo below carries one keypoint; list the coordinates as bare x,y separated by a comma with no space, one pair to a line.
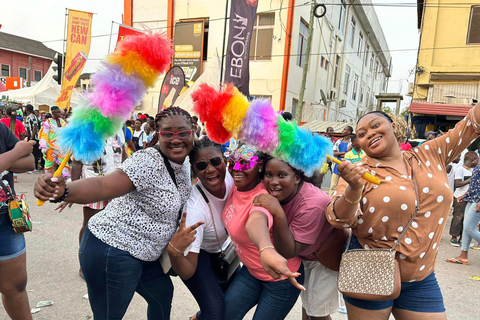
300,228
13,123
262,281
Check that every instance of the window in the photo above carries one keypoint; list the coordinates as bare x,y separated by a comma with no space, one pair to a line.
473,36
341,20
376,69
367,48
326,64
335,74
294,106
322,62
262,37
372,58
302,43
367,97
362,91
261,96
360,44
37,75
353,22
22,73
345,81
5,70
355,85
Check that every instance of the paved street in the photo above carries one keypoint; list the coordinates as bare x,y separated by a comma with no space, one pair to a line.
53,271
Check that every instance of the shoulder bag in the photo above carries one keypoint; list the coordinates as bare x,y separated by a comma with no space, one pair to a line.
227,261
18,211
164,258
372,274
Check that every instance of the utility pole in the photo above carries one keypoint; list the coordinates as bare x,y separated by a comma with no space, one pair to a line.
29,71
298,113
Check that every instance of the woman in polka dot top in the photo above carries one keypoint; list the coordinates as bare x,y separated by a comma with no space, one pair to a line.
377,214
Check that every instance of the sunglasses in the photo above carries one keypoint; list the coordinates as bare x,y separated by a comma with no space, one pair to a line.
202,165
242,164
168,136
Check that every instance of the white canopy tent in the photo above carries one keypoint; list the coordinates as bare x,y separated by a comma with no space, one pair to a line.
45,92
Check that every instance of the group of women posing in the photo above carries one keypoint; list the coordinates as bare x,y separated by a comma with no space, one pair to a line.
274,217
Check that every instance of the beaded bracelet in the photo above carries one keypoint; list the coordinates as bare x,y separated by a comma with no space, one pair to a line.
65,194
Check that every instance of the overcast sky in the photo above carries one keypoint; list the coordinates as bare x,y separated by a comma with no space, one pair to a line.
44,21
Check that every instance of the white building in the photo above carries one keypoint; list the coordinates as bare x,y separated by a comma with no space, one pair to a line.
349,58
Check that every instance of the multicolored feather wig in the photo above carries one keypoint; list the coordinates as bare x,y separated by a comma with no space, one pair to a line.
119,86
228,113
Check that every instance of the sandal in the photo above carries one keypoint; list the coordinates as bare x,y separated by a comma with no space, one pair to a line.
456,260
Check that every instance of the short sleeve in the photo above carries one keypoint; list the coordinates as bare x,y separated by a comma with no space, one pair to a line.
139,167
8,137
309,224
267,213
195,212
459,173
128,135
21,128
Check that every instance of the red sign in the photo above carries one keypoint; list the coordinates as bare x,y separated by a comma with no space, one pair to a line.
124,31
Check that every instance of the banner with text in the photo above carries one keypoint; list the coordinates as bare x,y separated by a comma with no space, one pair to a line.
124,31
242,17
78,46
188,45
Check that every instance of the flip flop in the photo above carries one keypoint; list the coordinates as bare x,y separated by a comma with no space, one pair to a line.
455,260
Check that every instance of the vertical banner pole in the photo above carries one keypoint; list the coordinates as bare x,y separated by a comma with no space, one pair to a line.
224,38
64,39
110,38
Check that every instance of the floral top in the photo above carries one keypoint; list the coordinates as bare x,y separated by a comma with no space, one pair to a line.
385,209
473,193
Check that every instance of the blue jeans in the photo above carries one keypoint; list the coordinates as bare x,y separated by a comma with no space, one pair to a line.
470,221
12,244
113,276
275,299
206,290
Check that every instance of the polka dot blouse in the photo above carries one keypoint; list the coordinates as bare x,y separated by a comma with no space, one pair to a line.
385,209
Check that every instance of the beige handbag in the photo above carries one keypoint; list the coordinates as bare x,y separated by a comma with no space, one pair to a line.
372,274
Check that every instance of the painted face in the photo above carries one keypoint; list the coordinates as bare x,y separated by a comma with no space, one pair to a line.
375,135
178,148
210,167
280,180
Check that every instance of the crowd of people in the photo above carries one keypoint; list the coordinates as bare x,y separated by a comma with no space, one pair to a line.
140,208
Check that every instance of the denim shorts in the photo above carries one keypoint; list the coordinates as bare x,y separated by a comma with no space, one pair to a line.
12,244
419,296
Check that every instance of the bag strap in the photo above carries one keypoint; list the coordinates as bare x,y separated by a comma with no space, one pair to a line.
417,198
7,192
211,214
172,175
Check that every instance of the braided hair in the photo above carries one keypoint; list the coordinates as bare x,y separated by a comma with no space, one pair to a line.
12,113
165,113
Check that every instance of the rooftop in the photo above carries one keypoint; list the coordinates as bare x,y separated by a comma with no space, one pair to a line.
15,43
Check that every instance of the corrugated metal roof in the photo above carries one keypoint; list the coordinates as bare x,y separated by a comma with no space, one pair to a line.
438,109
24,45
321,126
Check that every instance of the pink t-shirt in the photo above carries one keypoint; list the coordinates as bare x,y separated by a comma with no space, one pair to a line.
306,218
19,128
235,215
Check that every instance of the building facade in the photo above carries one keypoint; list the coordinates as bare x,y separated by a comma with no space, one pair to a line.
24,58
349,60
447,75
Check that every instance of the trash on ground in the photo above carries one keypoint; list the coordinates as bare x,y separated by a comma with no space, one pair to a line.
85,296
35,310
474,278
44,304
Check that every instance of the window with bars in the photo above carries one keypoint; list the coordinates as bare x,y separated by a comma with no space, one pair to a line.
345,81
5,70
22,73
355,85
37,75
302,43
335,73
473,35
262,37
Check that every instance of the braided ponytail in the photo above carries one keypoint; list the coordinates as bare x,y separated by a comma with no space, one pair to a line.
11,113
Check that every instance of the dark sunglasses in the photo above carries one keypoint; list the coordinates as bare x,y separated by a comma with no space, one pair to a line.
202,165
168,136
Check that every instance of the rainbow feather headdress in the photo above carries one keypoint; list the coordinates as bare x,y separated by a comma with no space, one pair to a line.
119,86
229,114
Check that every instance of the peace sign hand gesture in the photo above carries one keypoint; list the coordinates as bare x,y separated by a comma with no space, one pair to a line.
184,236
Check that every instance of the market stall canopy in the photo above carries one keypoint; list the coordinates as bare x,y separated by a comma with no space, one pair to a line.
438,109
321,126
44,92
